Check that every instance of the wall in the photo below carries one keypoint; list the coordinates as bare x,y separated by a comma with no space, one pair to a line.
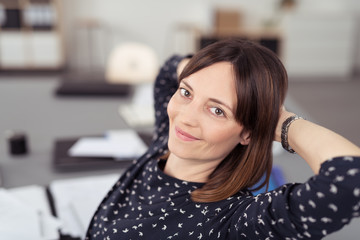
154,23
149,22
355,6
319,40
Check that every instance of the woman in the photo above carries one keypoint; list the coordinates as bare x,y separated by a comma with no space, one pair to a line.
215,125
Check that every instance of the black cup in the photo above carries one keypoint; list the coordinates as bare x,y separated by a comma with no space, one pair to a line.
17,142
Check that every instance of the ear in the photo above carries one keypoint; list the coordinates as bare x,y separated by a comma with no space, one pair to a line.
245,137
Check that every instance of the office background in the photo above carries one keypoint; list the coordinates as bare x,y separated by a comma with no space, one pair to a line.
319,44
164,20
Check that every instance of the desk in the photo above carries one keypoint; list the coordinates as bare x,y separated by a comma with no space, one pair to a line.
29,104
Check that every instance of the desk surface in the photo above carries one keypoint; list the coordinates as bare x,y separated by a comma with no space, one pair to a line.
30,105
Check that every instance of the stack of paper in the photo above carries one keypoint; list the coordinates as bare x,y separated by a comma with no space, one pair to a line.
25,214
118,144
77,199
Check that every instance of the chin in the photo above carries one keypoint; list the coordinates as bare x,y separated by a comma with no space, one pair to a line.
179,150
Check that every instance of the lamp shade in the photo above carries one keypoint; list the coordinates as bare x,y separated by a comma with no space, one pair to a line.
132,63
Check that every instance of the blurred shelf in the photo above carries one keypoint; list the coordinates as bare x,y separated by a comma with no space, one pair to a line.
30,35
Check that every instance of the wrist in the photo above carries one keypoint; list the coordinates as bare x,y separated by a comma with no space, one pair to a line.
285,130
283,116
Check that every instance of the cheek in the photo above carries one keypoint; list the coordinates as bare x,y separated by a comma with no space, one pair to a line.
171,108
223,135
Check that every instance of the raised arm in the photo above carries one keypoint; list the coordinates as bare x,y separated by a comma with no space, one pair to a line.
316,208
166,84
315,143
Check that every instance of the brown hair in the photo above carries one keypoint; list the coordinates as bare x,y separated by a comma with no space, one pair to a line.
261,85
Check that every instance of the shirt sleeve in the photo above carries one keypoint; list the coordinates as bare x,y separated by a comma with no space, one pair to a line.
324,204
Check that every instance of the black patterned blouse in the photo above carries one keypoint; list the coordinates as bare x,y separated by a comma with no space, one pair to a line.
147,204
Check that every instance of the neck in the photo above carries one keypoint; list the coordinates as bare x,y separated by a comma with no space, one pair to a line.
188,169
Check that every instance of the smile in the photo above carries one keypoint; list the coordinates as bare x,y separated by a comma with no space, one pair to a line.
184,135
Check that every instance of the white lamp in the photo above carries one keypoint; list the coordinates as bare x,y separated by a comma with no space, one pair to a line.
132,63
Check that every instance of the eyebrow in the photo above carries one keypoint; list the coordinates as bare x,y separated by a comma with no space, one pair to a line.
187,85
211,99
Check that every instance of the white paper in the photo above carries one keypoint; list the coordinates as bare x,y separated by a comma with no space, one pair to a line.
144,94
18,220
35,197
118,144
137,115
77,199
141,111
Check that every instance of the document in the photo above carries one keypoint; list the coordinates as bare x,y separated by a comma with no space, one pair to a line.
117,144
25,214
76,200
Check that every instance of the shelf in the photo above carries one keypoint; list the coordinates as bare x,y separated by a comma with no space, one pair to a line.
30,35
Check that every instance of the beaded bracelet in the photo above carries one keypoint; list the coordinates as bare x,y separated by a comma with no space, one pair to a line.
284,132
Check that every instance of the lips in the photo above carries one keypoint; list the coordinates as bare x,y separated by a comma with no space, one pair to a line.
184,135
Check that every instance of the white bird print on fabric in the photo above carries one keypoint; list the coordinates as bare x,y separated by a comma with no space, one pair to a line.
357,192
260,221
333,189
353,171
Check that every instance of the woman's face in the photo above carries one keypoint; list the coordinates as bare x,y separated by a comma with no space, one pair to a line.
201,114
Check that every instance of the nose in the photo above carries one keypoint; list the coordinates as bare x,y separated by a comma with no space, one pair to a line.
189,114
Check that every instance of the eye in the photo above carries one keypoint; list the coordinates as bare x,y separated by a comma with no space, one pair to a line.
217,111
184,92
